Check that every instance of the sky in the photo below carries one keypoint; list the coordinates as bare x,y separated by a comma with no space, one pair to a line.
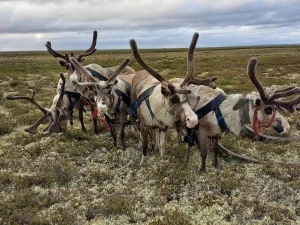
69,24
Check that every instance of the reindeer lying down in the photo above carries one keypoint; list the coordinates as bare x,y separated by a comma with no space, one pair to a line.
219,113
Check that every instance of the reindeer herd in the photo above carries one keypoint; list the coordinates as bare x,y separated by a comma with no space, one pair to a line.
149,101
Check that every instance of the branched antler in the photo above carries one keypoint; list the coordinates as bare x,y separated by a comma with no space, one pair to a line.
190,78
94,81
273,99
81,56
139,59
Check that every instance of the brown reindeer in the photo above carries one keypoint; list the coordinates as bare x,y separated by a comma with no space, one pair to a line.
81,94
112,96
159,103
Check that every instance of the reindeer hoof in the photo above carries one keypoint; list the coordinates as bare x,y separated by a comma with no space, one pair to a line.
143,160
217,166
203,170
30,131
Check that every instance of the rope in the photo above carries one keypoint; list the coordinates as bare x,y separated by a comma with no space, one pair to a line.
252,160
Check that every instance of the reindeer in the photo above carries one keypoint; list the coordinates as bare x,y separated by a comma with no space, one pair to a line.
112,96
157,103
57,113
219,113
81,94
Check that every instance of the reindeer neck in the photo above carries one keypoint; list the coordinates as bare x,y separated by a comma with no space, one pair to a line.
160,109
234,119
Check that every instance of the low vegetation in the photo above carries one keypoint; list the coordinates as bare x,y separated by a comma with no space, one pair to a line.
78,178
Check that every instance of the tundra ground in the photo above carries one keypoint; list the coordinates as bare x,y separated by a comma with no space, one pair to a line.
79,179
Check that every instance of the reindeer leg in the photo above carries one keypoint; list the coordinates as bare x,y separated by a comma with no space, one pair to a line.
157,140
179,132
202,144
144,135
122,132
80,112
215,148
114,134
95,121
162,142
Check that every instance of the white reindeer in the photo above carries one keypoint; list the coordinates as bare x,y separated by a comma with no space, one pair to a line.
80,95
218,112
160,104
112,96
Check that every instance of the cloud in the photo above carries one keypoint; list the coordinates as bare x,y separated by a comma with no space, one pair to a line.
69,23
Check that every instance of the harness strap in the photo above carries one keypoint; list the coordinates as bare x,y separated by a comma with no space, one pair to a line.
214,106
257,128
210,106
124,97
136,104
149,108
97,74
220,118
71,95
128,87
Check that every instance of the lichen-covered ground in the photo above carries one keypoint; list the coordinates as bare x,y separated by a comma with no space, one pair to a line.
77,178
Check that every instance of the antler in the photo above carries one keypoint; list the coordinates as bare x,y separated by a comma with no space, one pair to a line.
33,129
190,78
156,75
119,69
80,58
31,99
94,82
60,98
288,104
53,52
139,59
82,69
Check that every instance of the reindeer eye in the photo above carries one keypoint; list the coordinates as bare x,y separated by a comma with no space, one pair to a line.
268,110
175,100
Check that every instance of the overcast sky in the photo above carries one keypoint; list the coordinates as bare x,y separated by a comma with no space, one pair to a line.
69,24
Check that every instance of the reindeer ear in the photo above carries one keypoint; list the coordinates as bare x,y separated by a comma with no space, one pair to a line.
172,88
63,63
165,91
240,103
257,102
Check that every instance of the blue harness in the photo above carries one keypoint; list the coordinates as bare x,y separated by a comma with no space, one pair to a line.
71,95
143,97
99,75
214,106
192,137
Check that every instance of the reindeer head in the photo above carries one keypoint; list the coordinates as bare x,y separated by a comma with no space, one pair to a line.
176,97
103,90
65,62
268,110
